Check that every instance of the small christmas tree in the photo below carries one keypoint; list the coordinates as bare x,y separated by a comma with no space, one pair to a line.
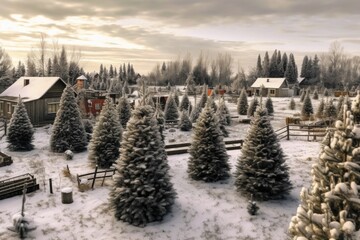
252,207
261,170
320,109
142,191
224,111
124,110
20,131
252,107
185,103
242,104
330,110
185,123
315,95
204,97
222,120
326,92
68,132
208,158
307,108
105,142
171,113
292,104
269,106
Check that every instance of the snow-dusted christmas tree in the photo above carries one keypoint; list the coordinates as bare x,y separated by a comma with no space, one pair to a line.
171,112
320,109
315,95
252,107
307,108
68,132
355,108
330,110
142,191
292,104
185,103
330,208
20,130
224,111
222,119
269,106
124,110
261,170
208,159
104,145
242,103
185,123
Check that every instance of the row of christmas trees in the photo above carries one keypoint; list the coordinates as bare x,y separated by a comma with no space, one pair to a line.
142,190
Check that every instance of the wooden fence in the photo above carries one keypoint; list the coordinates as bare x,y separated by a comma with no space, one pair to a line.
180,148
108,173
311,133
14,186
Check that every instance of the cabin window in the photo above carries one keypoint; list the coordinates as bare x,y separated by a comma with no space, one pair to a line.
53,107
8,108
272,91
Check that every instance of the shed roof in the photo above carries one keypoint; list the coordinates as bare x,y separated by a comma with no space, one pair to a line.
268,82
33,90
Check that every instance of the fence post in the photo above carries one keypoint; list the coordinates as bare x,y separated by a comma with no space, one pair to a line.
288,132
93,183
50,185
5,127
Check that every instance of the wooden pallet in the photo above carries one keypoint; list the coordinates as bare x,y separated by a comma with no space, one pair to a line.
14,186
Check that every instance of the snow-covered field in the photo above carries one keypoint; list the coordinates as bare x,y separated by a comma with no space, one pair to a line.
201,211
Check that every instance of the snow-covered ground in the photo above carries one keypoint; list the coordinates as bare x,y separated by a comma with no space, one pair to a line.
201,211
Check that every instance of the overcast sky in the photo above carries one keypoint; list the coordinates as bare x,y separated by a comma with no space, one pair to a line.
146,32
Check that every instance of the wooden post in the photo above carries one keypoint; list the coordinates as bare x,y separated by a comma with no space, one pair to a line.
93,183
66,195
5,127
102,184
50,185
287,132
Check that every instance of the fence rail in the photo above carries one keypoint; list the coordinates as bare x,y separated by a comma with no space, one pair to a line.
311,133
14,186
102,174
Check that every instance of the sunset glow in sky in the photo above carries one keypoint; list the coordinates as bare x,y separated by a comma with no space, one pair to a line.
149,32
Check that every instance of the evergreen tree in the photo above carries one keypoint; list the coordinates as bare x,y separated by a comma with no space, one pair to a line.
307,108
315,68
170,112
195,113
20,131
63,63
284,62
252,107
320,109
208,159
185,123
259,69
142,191
269,106
326,92
224,111
242,104
105,142
204,97
330,208
355,108
222,118
273,65
261,170
159,116
266,65
124,111
68,131
49,68
304,66
339,105
291,71
185,103
176,97
330,110
292,104
315,95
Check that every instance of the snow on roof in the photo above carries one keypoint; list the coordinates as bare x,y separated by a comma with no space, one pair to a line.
268,82
82,77
30,88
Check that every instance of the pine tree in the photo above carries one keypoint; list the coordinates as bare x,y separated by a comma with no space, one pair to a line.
185,123
261,170
307,108
124,111
208,159
304,66
330,208
204,97
63,63
266,65
221,116
242,104
326,92
330,110
185,103
273,65
105,141
291,70
269,106
315,95
68,131
142,191
355,108
252,107
170,112
20,131
292,104
259,69
159,116
224,111
320,109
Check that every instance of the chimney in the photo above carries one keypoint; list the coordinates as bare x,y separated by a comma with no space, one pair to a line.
26,82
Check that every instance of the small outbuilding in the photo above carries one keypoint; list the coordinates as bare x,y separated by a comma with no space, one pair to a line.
41,96
274,87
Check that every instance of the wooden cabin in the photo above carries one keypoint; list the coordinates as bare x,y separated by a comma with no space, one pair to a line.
40,95
274,87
